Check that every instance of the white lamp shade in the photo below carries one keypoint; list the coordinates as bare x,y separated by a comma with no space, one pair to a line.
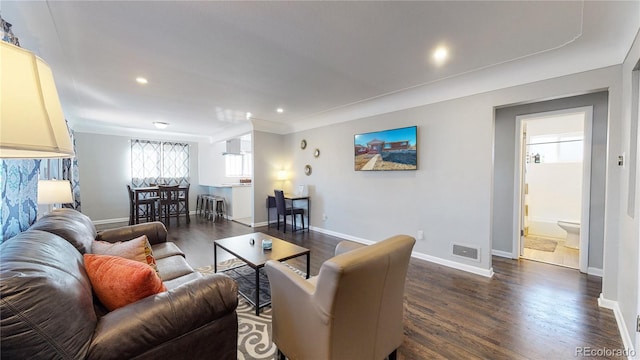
54,192
32,124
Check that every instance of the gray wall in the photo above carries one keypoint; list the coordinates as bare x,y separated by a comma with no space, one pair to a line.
269,157
451,195
105,170
448,197
505,169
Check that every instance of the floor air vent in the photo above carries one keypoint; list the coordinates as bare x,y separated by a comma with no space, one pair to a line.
465,252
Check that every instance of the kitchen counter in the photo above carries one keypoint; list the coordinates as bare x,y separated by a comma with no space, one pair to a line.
231,185
238,198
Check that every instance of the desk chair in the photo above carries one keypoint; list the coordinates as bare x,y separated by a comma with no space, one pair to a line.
285,211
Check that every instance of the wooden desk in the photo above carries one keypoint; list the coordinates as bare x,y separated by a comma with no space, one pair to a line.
271,204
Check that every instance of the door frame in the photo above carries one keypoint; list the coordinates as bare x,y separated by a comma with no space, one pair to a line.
518,180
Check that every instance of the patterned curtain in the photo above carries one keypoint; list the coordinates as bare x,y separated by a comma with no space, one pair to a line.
155,162
175,163
71,172
19,185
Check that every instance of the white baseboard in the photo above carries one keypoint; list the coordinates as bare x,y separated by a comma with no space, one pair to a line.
440,261
594,271
622,327
342,236
500,253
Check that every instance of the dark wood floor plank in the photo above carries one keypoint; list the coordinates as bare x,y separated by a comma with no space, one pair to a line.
528,310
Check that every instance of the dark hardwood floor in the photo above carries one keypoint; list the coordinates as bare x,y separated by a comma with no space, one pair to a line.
528,310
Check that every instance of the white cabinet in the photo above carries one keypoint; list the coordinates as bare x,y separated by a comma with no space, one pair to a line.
241,201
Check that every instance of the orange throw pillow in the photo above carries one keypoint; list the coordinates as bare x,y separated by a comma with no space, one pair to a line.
118,281
135,249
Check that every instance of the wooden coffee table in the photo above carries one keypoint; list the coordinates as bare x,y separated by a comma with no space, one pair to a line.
255,257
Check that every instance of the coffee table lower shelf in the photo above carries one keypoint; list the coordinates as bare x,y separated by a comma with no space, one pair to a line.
245,276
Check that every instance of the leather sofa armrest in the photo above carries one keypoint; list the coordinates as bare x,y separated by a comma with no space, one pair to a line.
346,246
156,233
150,322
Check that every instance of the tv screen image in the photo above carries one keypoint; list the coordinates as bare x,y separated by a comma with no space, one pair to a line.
394,149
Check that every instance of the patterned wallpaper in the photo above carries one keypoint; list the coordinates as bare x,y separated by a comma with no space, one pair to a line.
18,185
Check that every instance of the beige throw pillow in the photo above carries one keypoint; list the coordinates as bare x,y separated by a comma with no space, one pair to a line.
137,249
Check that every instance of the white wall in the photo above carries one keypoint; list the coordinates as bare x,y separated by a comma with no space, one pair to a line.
624,255
211,166
554,194
211,162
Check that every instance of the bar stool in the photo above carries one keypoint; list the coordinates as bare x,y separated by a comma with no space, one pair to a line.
200,204
221,207
208,201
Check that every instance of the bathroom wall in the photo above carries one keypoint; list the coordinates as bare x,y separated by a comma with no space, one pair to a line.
555,182
554,194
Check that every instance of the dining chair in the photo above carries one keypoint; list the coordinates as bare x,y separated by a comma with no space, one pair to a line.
183,201
148,204
285,211
169,203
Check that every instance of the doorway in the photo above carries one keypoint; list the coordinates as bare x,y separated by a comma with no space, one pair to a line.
553,186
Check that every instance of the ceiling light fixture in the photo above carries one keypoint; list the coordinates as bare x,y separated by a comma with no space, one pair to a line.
440,55
280,110
249,115
160,124
141,80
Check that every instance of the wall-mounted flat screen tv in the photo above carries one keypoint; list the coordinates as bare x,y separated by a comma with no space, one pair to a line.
394,149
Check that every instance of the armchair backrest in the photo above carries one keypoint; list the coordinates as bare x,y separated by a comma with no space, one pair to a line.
361,293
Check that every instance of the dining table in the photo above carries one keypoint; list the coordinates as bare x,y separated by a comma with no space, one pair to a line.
149,191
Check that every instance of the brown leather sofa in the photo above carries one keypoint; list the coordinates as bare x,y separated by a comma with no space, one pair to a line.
47,309
352,310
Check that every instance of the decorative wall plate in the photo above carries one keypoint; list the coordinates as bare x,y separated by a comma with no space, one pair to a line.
316,153
307,170
303,144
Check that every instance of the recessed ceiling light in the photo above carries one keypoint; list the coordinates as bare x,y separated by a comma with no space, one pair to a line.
440,54
249,115
141,80
160,124
280,110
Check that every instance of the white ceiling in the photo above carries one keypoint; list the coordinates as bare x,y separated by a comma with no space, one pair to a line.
208,63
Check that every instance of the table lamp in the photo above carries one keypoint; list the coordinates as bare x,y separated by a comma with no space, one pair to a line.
51,192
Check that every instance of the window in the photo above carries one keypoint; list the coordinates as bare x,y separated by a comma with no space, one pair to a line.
155,162
556,148
238,165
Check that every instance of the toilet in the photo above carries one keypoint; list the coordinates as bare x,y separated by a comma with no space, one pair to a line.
573,233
